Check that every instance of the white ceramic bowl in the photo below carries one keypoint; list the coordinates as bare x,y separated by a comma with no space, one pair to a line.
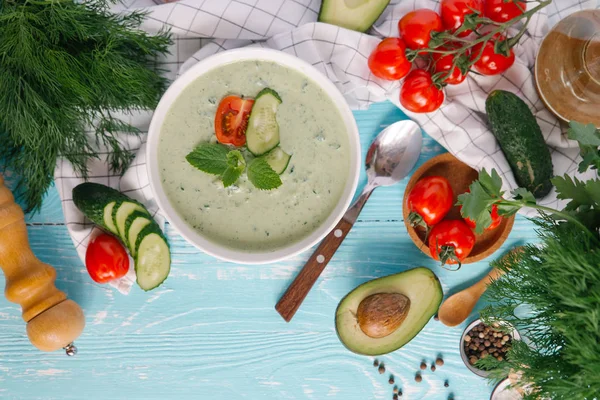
177,221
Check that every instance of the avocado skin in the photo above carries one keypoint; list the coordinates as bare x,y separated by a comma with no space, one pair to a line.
430,311
521,141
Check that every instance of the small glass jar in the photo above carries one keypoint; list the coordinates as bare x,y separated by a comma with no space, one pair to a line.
567,68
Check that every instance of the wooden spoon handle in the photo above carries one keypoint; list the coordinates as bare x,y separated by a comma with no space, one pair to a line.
53,321
298,290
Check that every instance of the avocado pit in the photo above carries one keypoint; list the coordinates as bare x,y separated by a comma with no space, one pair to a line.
380,314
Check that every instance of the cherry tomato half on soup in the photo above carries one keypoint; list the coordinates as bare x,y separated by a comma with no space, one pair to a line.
106,259
503,10
388,60
454,12
490,62
430,200
451,241
416,27
231,120
419,94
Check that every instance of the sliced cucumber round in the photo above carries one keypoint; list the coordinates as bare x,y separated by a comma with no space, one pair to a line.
262,134
134,225
108,220
278,160
153,258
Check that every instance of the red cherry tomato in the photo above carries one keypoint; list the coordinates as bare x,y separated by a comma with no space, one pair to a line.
430,200
454,12
231,120
388,60
106,259
419,94
451,241
491,63
503,10
416,27
444,63
496,220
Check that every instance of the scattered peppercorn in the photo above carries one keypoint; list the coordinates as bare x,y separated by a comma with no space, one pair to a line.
436,317
376,363
418,378
446,384
391,380
439,362
395,397
395,389
432,367
485,341
423,365
381,368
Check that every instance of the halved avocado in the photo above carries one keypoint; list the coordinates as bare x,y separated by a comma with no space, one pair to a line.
357,15
402,304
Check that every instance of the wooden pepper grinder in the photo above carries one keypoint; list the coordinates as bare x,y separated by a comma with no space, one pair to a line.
53,321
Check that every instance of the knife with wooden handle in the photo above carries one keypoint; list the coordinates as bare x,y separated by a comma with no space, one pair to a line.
53,321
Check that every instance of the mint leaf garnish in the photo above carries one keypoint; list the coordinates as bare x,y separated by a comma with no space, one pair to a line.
211,158
262,175
236,165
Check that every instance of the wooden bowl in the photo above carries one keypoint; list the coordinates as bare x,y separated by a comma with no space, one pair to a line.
460,176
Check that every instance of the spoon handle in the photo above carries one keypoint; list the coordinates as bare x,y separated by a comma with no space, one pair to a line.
298,290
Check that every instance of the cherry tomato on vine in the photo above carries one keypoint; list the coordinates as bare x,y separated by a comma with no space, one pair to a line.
454,12
430,200
106,259
419,93
416,27
503,10
451,241
446,62
490,62
388,60
231,120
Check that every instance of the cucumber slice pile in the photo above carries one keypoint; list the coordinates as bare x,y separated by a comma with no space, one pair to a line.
133,224
262,134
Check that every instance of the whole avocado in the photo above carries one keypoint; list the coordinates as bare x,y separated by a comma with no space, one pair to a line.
521,141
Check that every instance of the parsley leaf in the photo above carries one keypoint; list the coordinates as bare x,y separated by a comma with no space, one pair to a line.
262,175
236,165
211,158
477,203
573,189
588,138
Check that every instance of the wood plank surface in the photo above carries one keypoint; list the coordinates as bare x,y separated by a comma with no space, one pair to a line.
211,331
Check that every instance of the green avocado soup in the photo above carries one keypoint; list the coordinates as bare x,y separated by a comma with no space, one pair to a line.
242,217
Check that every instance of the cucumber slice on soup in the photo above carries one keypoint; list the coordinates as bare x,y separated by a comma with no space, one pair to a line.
278,160
262,134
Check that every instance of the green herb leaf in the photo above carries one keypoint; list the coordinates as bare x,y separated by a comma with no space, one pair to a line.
211,158
477,203
573,189
262,175
492,184
236,165
524,195
588,138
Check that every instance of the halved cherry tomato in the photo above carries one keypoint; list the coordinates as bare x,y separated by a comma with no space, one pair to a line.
490,62
504,10
451,241
419,94
454,12
388,60
231,120
444,63
106,259
416,27
430,200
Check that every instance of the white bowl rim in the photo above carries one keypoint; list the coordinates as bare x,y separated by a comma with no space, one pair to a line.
177,222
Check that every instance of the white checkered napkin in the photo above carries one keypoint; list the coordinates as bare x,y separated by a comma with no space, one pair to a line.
205,27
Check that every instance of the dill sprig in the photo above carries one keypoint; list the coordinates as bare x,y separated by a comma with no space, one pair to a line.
551,294
66,66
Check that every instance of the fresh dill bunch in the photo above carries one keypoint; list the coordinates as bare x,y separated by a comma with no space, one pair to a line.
65,66
557,285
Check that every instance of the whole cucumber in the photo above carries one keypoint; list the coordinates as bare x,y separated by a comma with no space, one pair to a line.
521,141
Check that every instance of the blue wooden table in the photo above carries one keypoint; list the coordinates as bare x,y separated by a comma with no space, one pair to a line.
211,331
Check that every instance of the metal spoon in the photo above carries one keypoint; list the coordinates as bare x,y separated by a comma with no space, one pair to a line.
390,158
